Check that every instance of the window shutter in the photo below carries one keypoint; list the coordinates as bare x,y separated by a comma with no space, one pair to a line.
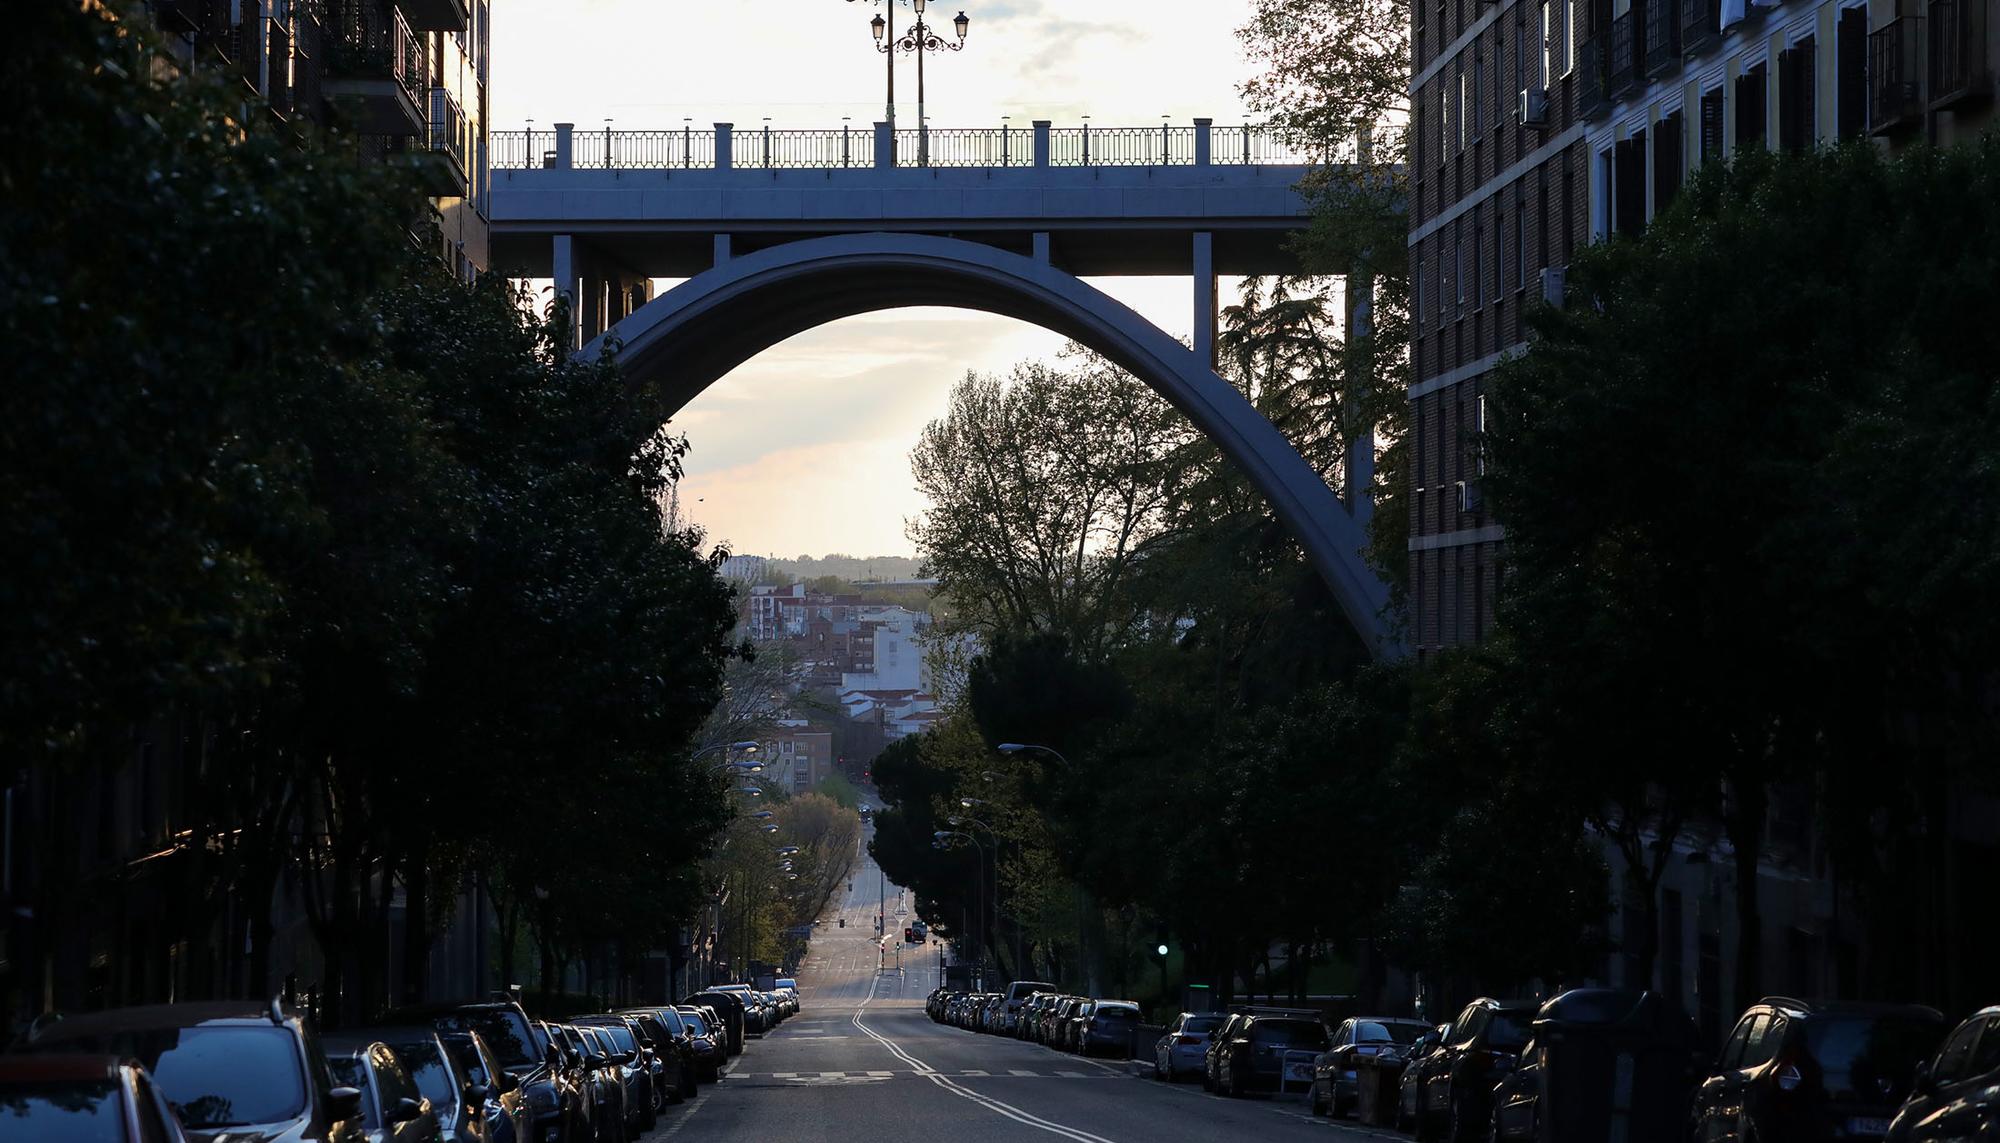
1711,125
1806,53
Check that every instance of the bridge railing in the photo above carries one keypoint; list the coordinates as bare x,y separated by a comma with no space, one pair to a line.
766,147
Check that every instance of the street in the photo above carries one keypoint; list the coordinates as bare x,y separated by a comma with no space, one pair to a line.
862,1056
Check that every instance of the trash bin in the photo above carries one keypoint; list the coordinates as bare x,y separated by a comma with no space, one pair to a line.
1376,1080
1615,1066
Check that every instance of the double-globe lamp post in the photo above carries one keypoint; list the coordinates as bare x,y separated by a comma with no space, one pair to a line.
921,40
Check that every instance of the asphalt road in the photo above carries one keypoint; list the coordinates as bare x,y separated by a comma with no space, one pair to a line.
862,1061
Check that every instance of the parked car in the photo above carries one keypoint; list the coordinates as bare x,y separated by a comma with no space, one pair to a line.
1425,1057
505,1113
83,1097
1109,1029
393,1108
440,1078
1957,1094
235,1068
1334,1076
1056,1019
1071,1030
1457,1094
1029,1013
703,1041
572,1071
1179,1052
1587,1046
523,1050
729,1009
1255,1058
634,1066
1018,994
1211,1057
667,1035
1794,1070
614,1091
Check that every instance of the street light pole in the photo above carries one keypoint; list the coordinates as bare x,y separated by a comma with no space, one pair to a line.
919,39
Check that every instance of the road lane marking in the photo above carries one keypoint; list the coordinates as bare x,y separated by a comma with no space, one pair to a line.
1020,1072
1076,1135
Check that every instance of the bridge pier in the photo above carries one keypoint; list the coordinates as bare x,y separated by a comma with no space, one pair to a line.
1204,296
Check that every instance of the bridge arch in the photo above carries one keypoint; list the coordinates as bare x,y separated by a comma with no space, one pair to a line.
690,336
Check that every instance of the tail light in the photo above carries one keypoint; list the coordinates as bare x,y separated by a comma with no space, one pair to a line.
1787,1075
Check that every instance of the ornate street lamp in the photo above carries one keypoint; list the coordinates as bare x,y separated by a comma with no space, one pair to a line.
920,39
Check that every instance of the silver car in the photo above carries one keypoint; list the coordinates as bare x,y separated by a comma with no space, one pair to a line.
1181,1051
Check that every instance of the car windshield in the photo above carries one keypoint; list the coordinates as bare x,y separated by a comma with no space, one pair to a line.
1198,1024
619,1035
1117,1012
1866,1059
216,1076
1292,1033
504,1030
468,1059
1370,1032
77,1112
427,1066
1508,1029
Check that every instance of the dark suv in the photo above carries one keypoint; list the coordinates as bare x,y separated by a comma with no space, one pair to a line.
1958,1094
1795,1070
510,1036
235,1069
1486,1041
1256,1055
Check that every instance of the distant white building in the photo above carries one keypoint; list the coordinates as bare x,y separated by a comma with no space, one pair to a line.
747,569
898,656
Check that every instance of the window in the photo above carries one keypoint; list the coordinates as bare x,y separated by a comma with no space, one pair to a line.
1521,239
1764,1042
1458,263
1955,1059
1850,65
1475,119
1798,114
1565,32
1750,111
1548,72
1417,287
1463,107
1711,124
1447,91
1667,151
1479,434
1478,276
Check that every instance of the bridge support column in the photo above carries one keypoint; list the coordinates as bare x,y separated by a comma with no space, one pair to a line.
1042,247
1204,297
721,249
564,274
1358,475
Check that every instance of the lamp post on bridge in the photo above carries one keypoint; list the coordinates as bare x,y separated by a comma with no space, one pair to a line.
921,40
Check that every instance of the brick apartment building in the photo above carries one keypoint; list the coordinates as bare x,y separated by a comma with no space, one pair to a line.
1540,125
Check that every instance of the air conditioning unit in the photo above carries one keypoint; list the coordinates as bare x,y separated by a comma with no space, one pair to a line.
1469,499
1534,110
1552,285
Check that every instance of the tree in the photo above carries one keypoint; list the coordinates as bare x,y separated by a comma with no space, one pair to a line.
1719,469
1040,492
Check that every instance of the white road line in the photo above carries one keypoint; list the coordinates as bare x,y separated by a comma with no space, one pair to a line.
1076,1135
1021,1072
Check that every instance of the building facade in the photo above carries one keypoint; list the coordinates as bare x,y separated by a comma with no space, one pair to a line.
409,77
1540,125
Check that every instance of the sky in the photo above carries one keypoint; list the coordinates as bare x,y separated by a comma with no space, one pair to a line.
805,449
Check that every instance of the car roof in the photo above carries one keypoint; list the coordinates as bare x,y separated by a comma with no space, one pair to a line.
1850,1008
58,1067
159,1016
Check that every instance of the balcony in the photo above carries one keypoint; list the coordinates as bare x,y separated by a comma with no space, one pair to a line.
1663,37
1701,23
1626,54
442,164
375,67
1895,97
1958,69
436,15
